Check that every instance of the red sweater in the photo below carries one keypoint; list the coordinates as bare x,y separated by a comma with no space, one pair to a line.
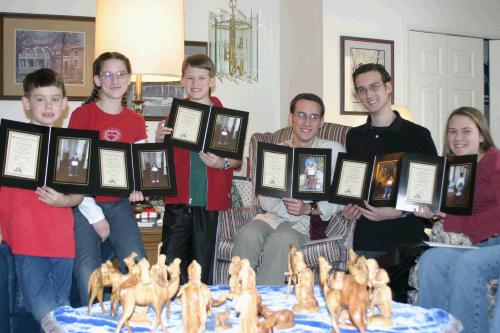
219,181
484,222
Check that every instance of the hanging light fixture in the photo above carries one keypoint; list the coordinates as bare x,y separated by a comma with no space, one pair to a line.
234,44
149,32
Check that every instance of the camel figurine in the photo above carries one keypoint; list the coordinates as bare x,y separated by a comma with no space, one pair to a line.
174,280
140,289
222,321
355,293
280,320
381,297
332,292
196,301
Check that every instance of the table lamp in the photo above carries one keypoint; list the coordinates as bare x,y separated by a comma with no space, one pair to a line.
149,32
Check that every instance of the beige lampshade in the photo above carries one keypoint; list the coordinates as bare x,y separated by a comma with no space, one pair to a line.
149,32
404,111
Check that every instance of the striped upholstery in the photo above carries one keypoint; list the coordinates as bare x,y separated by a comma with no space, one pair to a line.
339,231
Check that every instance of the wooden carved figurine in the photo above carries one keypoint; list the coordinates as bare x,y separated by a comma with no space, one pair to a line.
140,289
294,256
234,273
174,273
381,298
98,279
332,291
196,301
222,321
304,289
280,320
247,303
355,294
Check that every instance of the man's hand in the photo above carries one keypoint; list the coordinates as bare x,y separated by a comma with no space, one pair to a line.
296,207
161,131
102,229
52,197
425,212
136,196
352,212
379,213
212,160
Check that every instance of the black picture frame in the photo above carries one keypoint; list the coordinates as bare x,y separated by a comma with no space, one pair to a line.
149,161
315,186
382,193
72,160
231,144
420,182
114,169
24,148
280,172
187,134
351,180
454,164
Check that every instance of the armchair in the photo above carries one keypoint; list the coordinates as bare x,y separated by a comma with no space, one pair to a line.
339,231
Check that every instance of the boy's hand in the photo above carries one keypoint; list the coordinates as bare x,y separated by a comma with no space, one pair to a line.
136,196
351,212
379,213
161,131
102,229
52,197
212,160
296,207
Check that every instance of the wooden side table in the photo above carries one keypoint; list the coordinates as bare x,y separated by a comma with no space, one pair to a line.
151,236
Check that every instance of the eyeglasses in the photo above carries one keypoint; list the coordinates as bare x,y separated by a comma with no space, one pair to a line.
374,87
304,116
110,75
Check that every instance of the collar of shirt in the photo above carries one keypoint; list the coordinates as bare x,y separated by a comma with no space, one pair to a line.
395,126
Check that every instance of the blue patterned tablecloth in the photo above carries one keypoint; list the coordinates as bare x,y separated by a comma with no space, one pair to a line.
407,318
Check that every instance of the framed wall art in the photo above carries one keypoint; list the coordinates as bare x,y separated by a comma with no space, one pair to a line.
356,51
62,43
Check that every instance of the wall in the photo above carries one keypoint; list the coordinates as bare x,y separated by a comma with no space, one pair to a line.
392,19
261,99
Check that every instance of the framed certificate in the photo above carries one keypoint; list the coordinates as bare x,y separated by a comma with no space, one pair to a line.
351,182
201,127
72,161
226,132
302,173
23,154
420,182
114,169
154,172
189,122
458,184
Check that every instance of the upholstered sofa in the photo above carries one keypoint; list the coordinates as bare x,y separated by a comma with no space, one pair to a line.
339,231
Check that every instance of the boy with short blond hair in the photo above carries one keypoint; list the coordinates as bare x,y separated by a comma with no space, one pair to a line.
38,225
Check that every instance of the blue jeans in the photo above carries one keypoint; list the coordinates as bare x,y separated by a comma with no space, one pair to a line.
456,280
124,236
45,282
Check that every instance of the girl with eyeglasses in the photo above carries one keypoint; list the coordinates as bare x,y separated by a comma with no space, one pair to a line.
103,218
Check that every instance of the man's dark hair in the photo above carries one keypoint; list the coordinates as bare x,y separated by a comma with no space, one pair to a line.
386,77
307,97
44,77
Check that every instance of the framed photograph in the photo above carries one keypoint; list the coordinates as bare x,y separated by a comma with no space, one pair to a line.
72,164
23,154
458,185
158,96
302,173
62,43
385,180
420,182
356,51
114,169
154,171
227,130
351,181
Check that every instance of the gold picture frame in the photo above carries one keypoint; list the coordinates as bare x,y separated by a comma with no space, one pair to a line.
63,43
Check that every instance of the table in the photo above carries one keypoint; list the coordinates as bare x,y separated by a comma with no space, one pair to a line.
407,318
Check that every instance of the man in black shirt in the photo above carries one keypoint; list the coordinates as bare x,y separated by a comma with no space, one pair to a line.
381,229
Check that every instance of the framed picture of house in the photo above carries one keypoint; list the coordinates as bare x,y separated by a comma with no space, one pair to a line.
62,43
354,52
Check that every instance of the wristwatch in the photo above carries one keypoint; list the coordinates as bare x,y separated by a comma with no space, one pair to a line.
314,208
226,164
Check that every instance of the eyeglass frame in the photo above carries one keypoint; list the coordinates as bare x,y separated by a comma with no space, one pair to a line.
313,117
120,75
374,87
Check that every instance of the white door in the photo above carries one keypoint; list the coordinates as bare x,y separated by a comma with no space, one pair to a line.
446,72
495,90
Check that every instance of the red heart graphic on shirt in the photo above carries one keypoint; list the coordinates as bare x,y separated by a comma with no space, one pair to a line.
112,135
